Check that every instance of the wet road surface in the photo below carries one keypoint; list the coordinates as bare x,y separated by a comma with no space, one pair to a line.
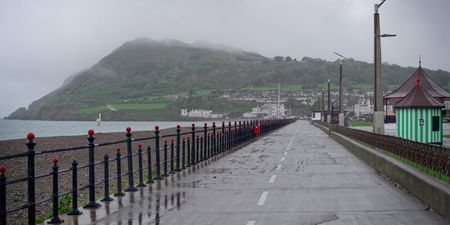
296,175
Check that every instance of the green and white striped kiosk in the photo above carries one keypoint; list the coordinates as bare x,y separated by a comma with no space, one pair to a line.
419,116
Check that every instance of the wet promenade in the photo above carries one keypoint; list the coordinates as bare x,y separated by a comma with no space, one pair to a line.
296,175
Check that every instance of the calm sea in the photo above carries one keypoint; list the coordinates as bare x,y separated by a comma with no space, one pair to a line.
15,129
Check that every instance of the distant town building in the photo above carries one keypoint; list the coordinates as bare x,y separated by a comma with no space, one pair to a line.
267,111
363,108
200,113
184,112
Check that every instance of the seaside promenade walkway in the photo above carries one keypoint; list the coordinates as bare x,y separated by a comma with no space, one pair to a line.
295,175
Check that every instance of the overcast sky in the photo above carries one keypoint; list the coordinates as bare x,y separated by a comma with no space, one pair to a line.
43,42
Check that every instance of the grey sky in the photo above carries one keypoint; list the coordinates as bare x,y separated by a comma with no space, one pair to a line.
43,42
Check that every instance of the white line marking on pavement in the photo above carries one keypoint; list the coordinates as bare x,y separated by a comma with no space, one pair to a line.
282,159
278,167
272,178
263,197
251,222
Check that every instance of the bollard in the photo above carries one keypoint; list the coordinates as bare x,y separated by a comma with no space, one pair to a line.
140,168
92,203
178,149
193,145
183,154
119,174
213,143
149,163
188,152
197,149
106,197
131,186
205,139
2,195
31,183
158,154
165,159
172,157
55,197
74,210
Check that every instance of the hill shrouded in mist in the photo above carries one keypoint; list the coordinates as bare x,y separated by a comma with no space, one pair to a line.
152,80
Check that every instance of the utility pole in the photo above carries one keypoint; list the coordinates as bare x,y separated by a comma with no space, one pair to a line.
378,114
278,102
341,91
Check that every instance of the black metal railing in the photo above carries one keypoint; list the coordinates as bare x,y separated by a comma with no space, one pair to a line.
186,149
430,157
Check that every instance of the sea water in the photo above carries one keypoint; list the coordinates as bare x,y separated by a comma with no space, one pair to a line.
15,129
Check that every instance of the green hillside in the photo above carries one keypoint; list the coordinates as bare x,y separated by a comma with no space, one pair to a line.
150,80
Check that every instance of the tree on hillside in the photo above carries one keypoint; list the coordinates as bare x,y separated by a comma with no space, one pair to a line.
278,58
288,59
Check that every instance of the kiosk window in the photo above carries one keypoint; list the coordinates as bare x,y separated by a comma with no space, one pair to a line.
435,123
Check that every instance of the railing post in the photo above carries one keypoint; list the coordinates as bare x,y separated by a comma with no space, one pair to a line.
172,156
31,181
149,163
197,150
213,143
74,210
178,147
92,203
240,133
193,145
157,154
55,197
165,173
229,136
106,197
202,149
183,155
208,147
205,136
131,186
222,147
140,168
235,134
119,174
188,152
2,195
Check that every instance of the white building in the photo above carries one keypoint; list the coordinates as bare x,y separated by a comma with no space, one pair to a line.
363,108
184,112
267,111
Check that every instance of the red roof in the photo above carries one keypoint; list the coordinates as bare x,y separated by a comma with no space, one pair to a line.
419,97
426,82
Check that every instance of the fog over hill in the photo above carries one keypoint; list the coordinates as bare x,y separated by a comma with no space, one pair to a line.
141,76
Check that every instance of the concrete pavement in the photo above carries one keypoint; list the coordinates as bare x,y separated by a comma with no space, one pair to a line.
296,175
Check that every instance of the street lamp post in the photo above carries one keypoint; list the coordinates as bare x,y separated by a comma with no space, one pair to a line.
341,91
323,105
378,114
329,103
